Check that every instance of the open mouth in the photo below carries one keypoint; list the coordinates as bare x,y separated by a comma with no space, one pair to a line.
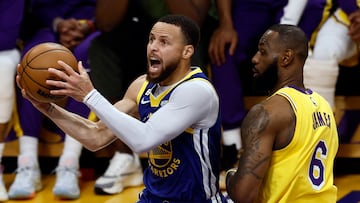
154,62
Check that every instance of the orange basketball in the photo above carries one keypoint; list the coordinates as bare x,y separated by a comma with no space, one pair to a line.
34,69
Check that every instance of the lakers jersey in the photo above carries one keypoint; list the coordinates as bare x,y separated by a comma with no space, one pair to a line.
303,170
185,169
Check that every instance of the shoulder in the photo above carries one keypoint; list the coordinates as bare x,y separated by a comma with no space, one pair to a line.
272,114
135,87
137,83
198,88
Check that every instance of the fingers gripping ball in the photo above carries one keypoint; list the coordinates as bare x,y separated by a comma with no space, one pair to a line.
34,69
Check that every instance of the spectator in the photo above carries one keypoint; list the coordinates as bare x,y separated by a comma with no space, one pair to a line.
65,23
9,57
326,57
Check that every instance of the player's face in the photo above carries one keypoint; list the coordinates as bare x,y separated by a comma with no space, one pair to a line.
164,51
266,64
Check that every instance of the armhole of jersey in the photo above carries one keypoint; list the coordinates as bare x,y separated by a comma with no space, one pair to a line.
287,97
142,89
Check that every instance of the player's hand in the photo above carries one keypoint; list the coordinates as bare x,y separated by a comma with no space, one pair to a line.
39,105
221,38
73,84
229,174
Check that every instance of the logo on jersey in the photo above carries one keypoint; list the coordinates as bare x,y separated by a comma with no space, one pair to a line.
143,101
162,163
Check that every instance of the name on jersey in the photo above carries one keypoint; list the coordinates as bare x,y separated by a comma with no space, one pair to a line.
166,171
321,119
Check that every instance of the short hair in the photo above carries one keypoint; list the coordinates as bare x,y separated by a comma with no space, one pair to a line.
292,37
189,28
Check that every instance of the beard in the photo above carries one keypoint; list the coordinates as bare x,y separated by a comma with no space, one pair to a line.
165,73
265,83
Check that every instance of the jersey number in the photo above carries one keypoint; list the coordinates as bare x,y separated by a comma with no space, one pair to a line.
317,167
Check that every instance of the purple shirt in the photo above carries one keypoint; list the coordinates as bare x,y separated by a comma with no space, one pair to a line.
11,16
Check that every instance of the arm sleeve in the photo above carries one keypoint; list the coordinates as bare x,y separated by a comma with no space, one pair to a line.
194,103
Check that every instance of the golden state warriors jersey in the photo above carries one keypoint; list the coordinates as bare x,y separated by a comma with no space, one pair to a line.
303,170
187,167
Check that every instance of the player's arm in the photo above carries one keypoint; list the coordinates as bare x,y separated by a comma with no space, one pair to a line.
191,102
93,135
262,131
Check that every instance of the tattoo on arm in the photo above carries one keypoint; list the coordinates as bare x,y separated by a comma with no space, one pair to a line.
50,109
255,123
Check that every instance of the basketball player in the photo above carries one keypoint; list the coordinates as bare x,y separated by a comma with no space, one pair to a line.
179,117
290,139
232,47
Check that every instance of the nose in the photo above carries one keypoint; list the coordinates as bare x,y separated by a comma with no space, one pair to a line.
255,58
152,46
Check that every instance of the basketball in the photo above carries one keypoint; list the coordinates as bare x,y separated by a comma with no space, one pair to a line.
34,69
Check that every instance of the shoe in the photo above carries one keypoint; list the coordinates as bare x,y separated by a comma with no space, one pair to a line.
27,183
67,186
124,171
3,192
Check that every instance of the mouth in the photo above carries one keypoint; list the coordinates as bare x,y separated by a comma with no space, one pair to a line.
154,64
256,73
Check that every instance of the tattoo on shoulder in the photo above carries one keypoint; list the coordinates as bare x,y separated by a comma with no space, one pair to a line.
255,122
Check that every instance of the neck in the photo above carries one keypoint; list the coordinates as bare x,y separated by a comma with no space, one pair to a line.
176,76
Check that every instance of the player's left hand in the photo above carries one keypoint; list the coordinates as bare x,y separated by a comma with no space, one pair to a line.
73,84
41,106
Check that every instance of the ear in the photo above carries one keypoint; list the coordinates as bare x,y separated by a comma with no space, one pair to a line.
188,51
287,57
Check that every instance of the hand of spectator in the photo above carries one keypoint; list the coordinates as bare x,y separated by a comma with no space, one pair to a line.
354,28
222,37
71,32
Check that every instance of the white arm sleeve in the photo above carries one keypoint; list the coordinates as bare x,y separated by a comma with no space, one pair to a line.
192,104
293,12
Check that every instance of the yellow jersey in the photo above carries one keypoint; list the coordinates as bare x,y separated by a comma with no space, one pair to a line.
303,170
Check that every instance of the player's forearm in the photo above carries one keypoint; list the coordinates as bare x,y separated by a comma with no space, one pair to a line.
85,131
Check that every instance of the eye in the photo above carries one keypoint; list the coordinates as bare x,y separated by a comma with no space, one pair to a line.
164,42
151,39
262,51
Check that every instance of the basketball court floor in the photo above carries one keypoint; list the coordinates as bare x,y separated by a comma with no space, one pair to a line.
348,191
